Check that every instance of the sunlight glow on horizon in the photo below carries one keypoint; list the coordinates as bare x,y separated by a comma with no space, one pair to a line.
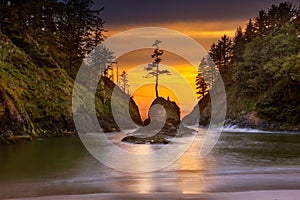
177,86
144,100
202,32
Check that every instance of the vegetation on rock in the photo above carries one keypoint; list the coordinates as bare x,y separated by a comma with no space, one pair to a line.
42,44
260,67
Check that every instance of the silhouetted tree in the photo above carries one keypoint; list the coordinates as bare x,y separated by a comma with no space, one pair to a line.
208,69
238,46
153,68
98,62
101,57
221,53
70,29
201,85
80,30
124,82
250,31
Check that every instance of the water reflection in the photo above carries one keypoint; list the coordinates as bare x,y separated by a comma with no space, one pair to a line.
186,175
142,183
39,159
121,156
63,166
191,170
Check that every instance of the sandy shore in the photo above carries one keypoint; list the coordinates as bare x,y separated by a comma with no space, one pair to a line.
272,186
249,195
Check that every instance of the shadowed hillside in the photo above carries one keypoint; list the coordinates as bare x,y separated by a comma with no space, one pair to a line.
36,94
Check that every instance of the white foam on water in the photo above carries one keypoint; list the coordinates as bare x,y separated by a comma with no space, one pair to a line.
236,129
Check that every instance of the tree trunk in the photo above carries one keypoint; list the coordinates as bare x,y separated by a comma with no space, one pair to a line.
156,84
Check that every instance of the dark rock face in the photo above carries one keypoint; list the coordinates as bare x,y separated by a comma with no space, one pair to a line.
201,113
36,96
245,120
157,139
122,101
172,115
163,121
108,126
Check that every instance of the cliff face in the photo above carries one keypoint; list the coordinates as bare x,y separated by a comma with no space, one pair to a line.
241,112
200,114
166,110
121,102
33,99
273,112
36,94
172,113
172,110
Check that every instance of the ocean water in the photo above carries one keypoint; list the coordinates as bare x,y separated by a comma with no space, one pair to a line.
242,160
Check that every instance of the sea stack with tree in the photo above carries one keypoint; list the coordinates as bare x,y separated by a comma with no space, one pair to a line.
164,114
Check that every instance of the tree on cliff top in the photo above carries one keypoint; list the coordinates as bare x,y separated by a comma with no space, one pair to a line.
68,29
153,68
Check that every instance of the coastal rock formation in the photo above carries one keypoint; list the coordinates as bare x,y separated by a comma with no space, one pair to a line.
201,113
36,94
172,116
163,121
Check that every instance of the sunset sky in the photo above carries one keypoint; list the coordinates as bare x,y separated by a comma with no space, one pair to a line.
204,21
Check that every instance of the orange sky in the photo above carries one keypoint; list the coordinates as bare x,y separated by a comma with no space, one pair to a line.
204,21
182,79
204,32
179,86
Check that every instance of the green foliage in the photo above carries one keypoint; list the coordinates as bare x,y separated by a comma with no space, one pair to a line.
265,66
32,95
62,31
103,102
42,44
37,100
292,65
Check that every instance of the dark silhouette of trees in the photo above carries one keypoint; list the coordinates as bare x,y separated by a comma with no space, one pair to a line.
99,61
80,31
221,53
202,88
206,77
70,29
250,31
153,68
124,82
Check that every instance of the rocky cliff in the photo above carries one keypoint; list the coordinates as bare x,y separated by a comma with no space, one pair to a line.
36,94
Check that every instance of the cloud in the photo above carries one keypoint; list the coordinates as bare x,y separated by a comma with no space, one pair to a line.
120,12
205,33
205,21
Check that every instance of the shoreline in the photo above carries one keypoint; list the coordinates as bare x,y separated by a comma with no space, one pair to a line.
247,195
239,186
226,129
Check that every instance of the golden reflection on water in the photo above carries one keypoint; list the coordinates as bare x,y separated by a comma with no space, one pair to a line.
186,175
140,182
191,178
